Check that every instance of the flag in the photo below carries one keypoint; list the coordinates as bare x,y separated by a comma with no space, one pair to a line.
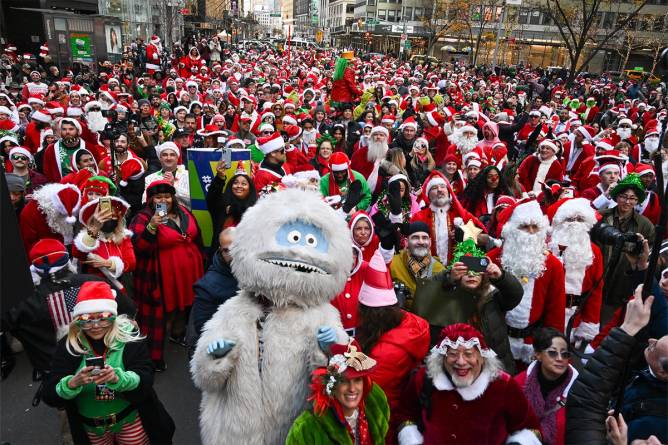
61,304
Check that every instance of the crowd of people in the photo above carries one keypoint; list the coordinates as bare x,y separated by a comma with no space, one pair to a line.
501,223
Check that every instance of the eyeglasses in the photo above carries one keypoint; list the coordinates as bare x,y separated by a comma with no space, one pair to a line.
627,198
95,109
103,320
19,158
554,354
267,132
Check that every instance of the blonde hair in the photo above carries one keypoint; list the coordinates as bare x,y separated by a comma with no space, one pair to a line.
431,164
123,330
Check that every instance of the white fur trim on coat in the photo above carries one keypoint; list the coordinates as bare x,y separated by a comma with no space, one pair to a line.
523,437
442,382
587,330
83,247
119,265
410,435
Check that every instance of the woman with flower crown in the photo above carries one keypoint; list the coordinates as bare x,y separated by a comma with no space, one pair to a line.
347,407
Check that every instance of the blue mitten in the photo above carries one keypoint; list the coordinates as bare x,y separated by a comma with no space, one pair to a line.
326,337
219,348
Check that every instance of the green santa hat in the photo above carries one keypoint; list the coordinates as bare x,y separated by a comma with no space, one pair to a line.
631,181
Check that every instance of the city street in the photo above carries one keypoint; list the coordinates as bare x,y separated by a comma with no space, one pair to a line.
22,424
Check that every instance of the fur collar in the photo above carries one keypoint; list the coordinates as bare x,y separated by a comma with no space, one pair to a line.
118,235
490,372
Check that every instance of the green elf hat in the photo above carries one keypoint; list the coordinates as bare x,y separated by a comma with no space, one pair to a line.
574,104
466,248
631,181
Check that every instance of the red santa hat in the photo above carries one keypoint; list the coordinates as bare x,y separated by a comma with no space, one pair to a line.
380,129
293,132
388,119
377,289
22,151
410,122
41,116
567,208
271,143
461,334
525,211
469,129
587,131
87,210
640,169
8,125
131,169
155,40
54,107
435,178
48,253
339,161
605,144
652,130
210,130
435,118
551,144
95,297
66,201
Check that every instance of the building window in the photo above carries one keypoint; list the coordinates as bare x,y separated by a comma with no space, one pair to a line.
419,14
391,15
535,18
407,13
523,17
371,2
382,14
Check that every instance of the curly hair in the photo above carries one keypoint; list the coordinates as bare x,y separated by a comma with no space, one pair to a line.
474,192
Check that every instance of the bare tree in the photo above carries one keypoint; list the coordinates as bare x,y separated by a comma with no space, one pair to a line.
488,11
447,18
577,23
655,43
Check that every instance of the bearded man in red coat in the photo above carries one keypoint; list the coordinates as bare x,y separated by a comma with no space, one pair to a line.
58,156
367,160
578,150
524,254
572,219
466,384
443,213
538,168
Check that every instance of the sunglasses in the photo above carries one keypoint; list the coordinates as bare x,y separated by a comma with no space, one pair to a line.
103,320
19,158
267,132
95,109
554,354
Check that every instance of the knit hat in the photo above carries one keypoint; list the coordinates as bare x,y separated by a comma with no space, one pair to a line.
377,289
418,227
47,253
631,181
66,201
271,143
131,169
15,183
99,184
169,145
95,296
462,334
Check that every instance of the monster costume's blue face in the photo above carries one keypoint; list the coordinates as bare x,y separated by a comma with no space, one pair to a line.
301,234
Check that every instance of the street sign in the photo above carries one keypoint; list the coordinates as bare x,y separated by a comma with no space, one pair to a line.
407,44
514,2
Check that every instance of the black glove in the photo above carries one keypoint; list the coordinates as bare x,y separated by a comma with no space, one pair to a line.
394,197
385,231
354,196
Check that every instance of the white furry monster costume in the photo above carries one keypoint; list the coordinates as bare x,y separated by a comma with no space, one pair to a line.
293,252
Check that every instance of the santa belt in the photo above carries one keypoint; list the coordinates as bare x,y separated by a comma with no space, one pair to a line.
523,332
573,300
110,420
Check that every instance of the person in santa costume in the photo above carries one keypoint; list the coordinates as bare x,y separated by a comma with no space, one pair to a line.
367,160
346,302
441,215
572,219
344,86
153,54
104,241
40,121
577,149
464,144
538,168
529,127
58,157
525,254
599,195
650,207
462,396
273,167
50,214
494,150
345,182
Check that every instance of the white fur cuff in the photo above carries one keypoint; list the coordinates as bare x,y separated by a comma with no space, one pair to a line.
80,242
396,219
119,266
386,254
587,330
410,435
523,437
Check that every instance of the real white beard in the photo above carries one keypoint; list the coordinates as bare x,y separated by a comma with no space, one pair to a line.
455,136
419,252
377,151
95,121
466,144
524,253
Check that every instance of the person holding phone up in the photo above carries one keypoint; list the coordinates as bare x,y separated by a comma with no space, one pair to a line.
169,261
102,376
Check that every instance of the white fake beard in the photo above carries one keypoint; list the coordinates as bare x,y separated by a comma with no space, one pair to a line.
377,151
309,136
455,136
524,253
651,144
575,237
466,144
624,133
95,121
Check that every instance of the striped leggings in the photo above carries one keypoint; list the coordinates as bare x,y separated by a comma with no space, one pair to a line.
131,434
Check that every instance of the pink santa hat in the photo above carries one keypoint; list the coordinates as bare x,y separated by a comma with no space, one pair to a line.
377,289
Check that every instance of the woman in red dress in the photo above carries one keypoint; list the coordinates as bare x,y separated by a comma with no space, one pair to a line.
169,261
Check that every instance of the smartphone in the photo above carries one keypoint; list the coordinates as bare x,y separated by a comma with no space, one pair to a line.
161,209
475,263
105,204
98,362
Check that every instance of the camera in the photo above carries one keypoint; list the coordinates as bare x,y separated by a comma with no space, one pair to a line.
607,235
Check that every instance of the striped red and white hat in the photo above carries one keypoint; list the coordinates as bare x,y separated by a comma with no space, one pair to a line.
271,143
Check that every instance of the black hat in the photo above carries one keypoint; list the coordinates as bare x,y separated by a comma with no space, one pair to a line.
418,226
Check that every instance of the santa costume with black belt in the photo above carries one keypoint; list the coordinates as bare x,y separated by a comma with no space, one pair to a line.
572,219
367,159
525,254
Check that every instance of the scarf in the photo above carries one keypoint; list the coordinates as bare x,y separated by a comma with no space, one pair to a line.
335,188
419,266
546,407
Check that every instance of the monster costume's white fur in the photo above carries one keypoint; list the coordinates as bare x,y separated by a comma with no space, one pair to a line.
240,404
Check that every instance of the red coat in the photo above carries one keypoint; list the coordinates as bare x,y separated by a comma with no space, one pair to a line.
525,132
152,58
264,177
34,227
438,142
345,90
397,353
499,411
361,164
547,302
587,151
32,140
456,152
123,254
529,170
583,178
650,208
347,301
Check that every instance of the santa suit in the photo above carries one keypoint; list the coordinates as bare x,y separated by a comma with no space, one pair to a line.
589,114
525,132
153,58
573,157
297,160
32,139
347,301
52,167
650,208
265,176
532,171
455,151
491,411
361,164
33,221
438,143
121,254
543,305
579,284
597,197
